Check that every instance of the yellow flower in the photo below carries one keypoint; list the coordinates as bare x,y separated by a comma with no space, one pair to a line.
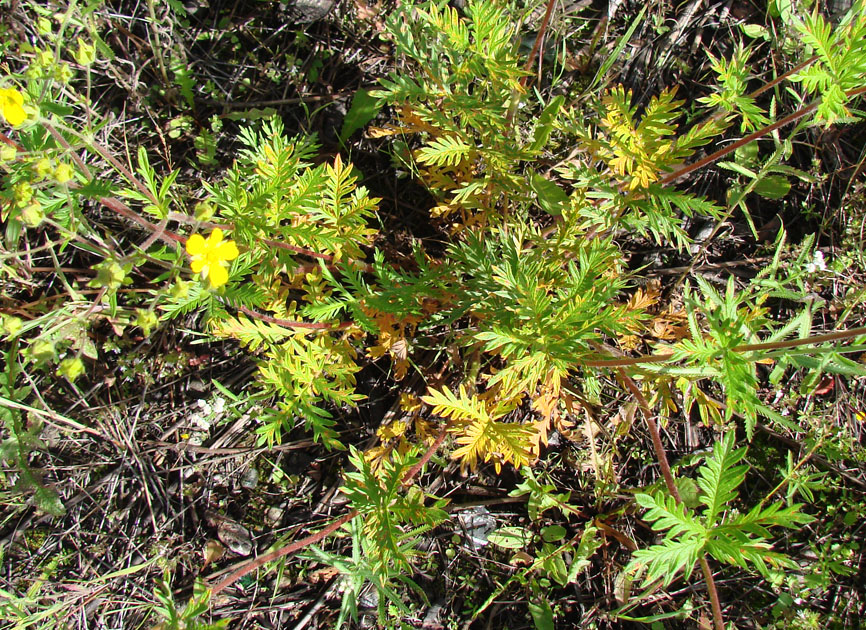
210,255
12,106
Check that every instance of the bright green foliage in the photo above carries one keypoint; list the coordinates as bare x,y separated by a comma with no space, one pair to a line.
464,100
538,309
273,193
841,62
634,155
717,530
305,373
731,322
733,76
541,305
23,437
361,572
157,199
383,501
541,496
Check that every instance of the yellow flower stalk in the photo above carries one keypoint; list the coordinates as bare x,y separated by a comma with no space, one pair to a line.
12,106
209,256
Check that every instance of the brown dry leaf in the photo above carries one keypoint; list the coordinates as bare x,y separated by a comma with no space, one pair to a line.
409,123
540,436
645,296
323,575
546,404
629,342
520,559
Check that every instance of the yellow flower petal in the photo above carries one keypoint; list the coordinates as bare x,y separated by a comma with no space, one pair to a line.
197,265
218,275
11,106
215,237
227,250
195,245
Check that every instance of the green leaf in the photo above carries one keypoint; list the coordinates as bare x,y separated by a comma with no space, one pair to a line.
61,111
546,120
446,151
773,187
689,491
251,114
551,197
755,31
510,537
720,477
589,543
553,533
364,108
542,615
49,501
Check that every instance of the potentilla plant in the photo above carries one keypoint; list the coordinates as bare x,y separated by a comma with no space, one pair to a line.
532,293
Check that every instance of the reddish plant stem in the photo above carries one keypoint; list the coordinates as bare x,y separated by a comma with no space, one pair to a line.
751,347
291,323
158,230
75,158
106,155
670,482
659,448
800,113
321,535
715,603
283,551
538,39
783,76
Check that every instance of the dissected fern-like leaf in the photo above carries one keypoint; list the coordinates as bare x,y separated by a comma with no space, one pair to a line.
480,436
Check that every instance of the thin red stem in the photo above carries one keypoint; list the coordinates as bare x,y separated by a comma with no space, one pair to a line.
751,347
793,117
291,323
670,482
538,39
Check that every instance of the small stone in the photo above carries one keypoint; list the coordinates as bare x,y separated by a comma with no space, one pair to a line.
250,479
477,523
274,516
236,537
311,10
369,597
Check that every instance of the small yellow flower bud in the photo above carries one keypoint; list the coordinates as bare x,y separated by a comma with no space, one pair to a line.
63,73
32,214
7,153
86,53
41,351
43,168
23,192
12,325
71,368
63,173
